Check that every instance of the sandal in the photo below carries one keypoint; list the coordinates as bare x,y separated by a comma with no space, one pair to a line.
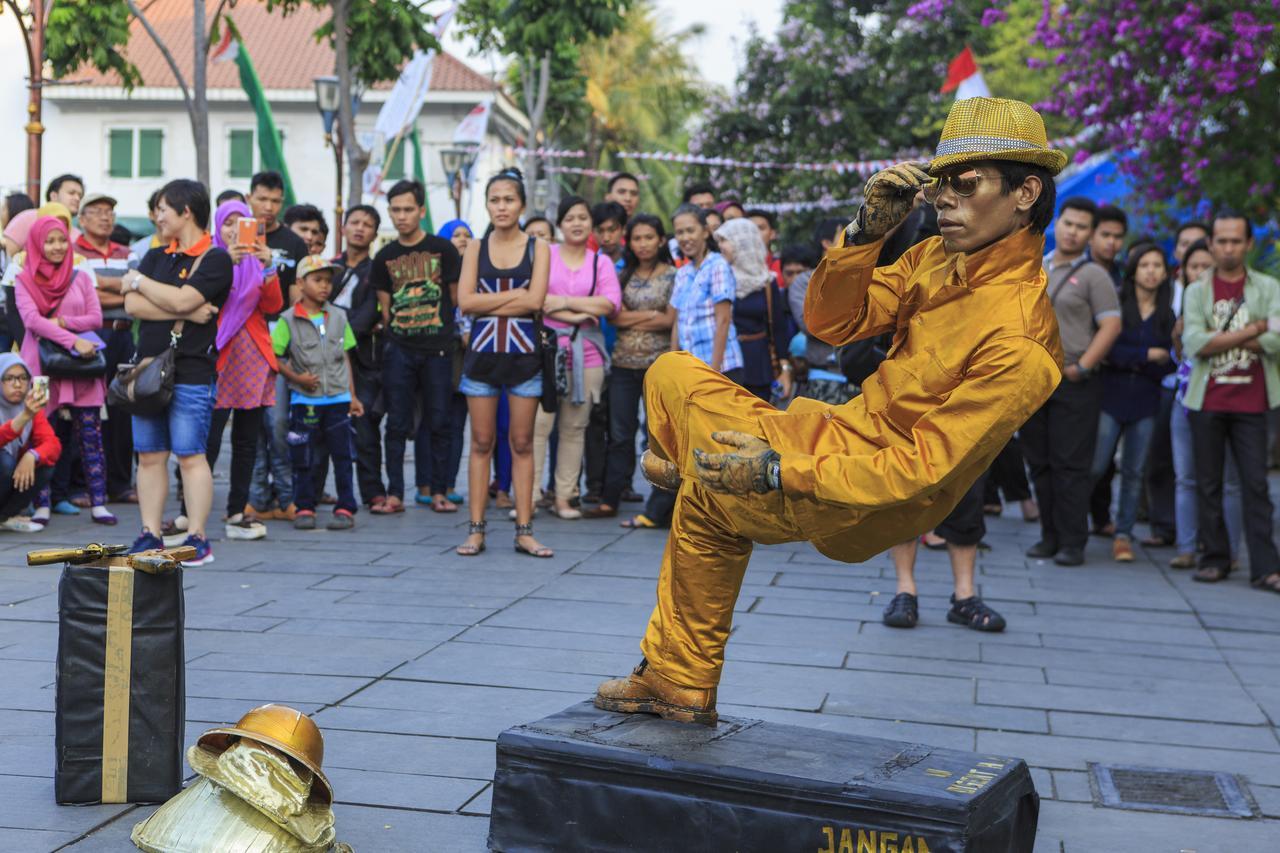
992,509
1183,561
975,614
940,545
378,506
1212,574
393,505
541,551
468,549
639,522
1270,583
1155,541
443,504
601,511
902,612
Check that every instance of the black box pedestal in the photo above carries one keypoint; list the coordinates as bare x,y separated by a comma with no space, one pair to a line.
591,780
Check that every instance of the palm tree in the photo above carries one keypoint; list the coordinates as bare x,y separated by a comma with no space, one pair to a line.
642,91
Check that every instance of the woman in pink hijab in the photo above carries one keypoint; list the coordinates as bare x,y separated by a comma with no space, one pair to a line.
57,303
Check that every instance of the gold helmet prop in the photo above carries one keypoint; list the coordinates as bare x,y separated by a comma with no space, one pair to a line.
283,728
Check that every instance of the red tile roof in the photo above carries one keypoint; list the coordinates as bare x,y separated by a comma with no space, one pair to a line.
284,51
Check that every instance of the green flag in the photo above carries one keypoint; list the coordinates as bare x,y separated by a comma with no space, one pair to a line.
270,146
420,176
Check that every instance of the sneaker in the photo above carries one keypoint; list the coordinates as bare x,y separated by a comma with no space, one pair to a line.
1121,550
65,508
342,520
21,524
304,519
244,529
147,541
204,553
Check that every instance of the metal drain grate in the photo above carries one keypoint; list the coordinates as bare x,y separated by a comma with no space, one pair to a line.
1157,789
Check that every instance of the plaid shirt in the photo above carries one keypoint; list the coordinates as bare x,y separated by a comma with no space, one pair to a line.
696,293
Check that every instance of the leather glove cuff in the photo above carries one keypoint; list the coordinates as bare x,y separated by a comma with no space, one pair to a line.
855,233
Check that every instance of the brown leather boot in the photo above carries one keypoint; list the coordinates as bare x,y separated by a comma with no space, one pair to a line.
647,692
660,472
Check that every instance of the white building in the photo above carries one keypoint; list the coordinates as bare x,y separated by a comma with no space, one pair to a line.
128,144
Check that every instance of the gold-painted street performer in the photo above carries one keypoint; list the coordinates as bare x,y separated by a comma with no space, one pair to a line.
975,352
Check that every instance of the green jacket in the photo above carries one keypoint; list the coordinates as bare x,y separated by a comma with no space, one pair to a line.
1262,296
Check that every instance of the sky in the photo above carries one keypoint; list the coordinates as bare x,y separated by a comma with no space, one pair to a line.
717,53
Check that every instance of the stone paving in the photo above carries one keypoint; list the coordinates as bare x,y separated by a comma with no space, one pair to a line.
413,660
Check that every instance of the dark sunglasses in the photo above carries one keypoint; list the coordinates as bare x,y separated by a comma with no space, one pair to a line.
963,184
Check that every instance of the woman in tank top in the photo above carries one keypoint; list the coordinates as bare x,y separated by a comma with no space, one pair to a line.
502,287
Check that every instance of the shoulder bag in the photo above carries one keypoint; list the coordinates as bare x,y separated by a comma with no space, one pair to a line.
58,362
146,386
564,356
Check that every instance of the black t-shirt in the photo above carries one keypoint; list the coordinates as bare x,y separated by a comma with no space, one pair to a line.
418,279
197,354
287,249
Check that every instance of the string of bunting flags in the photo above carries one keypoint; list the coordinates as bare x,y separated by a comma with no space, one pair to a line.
837,166
551,168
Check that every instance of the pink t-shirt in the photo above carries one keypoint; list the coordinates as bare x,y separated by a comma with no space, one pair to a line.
569,282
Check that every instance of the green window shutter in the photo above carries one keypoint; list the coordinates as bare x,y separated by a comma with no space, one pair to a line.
394,170
242,154
150,153
120,155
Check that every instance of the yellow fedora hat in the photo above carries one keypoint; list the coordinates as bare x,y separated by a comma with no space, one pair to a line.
995,129
288,730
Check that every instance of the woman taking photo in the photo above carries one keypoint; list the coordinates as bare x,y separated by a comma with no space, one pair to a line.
187,281
703,296
28,447
246,362
502,287
582,288
644,333
760,313
1131,377
58,303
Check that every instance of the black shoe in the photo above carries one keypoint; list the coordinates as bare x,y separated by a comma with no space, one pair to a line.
902,612
1070,557
1042,550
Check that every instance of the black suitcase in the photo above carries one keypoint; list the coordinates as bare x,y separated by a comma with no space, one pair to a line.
121,700
592,780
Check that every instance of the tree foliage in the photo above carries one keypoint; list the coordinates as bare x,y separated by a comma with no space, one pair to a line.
89,32
544,37
641,92
843,81
381,36
1189,86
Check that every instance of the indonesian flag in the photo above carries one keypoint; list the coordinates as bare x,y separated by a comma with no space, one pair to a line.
964,77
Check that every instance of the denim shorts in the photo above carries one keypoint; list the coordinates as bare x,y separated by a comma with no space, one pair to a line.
183,428
474,388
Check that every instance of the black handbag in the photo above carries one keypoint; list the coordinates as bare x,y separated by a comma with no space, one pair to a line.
548,347
58,362
146,386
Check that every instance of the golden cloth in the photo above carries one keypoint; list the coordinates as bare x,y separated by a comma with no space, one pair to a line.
975,352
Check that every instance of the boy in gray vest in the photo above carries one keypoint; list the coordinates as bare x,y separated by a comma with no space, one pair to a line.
314,341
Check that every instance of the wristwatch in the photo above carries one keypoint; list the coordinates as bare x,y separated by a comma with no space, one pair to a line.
773,474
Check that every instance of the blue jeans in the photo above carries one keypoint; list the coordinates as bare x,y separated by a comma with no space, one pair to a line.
1133,456
183,428
409,378
272,469
313,427
1185,508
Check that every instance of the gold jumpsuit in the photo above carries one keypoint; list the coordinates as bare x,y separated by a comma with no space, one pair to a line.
975,353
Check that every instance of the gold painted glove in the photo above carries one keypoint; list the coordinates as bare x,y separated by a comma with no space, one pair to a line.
886,200
754,468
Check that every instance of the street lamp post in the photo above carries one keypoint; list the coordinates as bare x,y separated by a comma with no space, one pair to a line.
327,100
457,163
